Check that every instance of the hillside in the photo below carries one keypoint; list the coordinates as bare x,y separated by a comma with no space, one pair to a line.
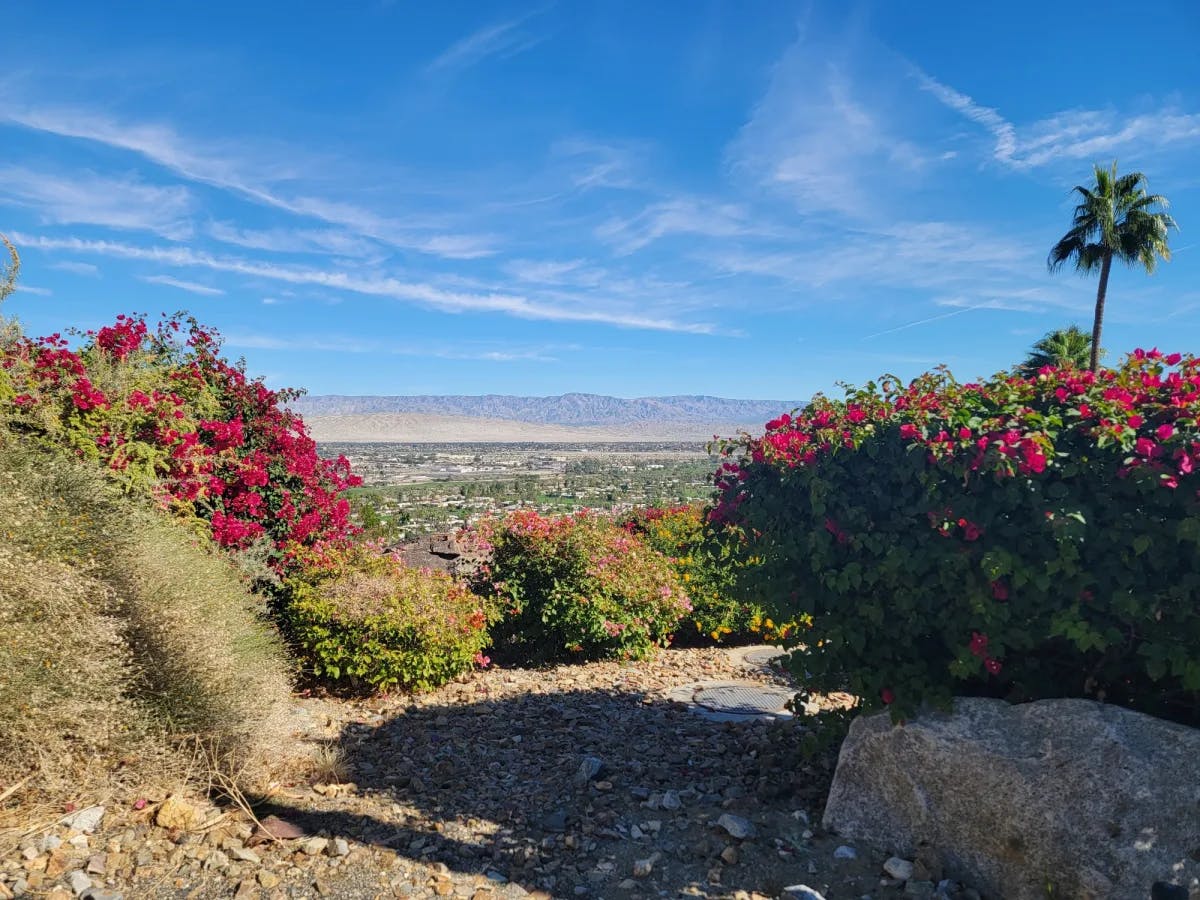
588,410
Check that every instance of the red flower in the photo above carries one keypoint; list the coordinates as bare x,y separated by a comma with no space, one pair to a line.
992,665
887,696
908,431
999,590
978,645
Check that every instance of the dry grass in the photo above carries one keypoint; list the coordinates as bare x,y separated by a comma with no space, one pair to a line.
127,650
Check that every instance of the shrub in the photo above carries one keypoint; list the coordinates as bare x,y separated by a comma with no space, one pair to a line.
167,416
1024,537
362,618
120,635
695,549
578,587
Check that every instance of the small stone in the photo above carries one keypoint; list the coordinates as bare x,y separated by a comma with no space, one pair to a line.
216,860
244,854
670,800
315,846
96,864
844,852
279,829
922,890
30,853
51,842
900,869
267,879
801,892
85,820
79,882
730,855
177,814
643,867
555,821
589,769
79,842
736,826
341,847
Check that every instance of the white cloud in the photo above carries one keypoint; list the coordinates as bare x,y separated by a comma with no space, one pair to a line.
683,215
503,40
227,168
825,139
30,289
1072,135
86,198
76,268
190,286
384,286
342,344
332,242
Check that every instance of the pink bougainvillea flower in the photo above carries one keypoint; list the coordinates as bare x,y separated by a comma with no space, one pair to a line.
887,696
993,666
999,590
978,645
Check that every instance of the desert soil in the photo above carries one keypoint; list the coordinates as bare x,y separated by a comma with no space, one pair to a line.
485,789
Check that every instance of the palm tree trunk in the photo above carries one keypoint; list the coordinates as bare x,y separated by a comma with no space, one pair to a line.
1101,293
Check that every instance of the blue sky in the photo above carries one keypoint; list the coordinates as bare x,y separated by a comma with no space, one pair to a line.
744,199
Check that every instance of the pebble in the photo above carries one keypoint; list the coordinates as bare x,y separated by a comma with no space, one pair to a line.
922,890
341,847
900,869
267,879
670,800
79,882
85,820
643,867
730,855
801,892
844,852
736,826
589,769
315,846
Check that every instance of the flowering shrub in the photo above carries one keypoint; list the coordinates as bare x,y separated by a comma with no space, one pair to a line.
578,587
1023,537
363,618
165,414
695,549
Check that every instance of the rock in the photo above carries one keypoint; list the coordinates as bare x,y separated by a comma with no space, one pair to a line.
244,854
1161,890
555,821
178,814
85,820
900,869
844,852
267,879
800,892
643,867
729,855
922,890
1084,797
94,894
279,829
670,800
79,882
51,842
341,847
589,769
97,864
736,826
315,846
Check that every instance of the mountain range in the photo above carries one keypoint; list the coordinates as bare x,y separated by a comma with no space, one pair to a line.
499,418
566,409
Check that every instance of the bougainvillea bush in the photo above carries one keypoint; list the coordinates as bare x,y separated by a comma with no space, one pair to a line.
577,588
165,414
696,549
1022,537
364,619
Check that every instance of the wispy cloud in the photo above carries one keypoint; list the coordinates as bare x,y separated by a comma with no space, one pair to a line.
681,216
191,287
85,198
36,291
339,344
825,138
294,240
76,268
504,39
380,286
1071,135
227,168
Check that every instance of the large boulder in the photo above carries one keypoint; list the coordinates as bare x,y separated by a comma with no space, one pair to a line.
1059,798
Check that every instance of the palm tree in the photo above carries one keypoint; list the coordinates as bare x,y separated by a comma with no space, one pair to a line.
1114,219
1066,347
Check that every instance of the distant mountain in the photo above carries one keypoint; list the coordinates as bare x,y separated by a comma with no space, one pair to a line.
567,409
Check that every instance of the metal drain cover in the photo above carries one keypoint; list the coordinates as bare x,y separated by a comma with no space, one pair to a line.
744,699
763,656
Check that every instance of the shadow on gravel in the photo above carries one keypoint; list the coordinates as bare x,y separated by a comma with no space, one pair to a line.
501,787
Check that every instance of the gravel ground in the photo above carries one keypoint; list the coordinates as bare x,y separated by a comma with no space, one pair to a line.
578,781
